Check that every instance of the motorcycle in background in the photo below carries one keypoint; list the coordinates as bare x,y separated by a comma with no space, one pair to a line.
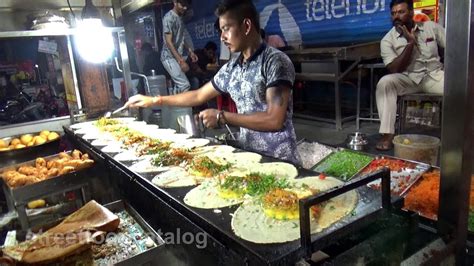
20,109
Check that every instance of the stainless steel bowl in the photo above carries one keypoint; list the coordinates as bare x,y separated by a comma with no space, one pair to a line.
357,141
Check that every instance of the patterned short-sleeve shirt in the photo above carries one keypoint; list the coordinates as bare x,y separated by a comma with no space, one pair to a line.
247,84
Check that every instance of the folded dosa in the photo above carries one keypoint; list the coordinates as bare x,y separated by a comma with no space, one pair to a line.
72,235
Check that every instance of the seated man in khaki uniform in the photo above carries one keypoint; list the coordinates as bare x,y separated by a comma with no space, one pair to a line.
410,52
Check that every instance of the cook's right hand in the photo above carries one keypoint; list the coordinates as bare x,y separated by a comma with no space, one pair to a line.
139,101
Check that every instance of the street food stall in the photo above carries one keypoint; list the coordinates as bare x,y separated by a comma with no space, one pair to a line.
101,190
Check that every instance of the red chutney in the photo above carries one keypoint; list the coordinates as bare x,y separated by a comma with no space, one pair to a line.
393,164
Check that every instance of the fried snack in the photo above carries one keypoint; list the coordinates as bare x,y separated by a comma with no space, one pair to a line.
27,170
52,172
31,180
44,133
15,142
50,164
20,146
52,136
36,204
40,162
25,139
20,180
73,163
58,163
64,155
43,169
42,173
3,144
76,154
10,175
40,140
66,169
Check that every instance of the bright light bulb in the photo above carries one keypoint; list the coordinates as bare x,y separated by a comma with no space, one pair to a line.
94,42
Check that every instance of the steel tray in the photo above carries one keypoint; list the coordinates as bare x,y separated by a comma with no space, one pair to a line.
145,257
302,141
315,168
148,255
17,152
409,176
12,157
54,185
408,190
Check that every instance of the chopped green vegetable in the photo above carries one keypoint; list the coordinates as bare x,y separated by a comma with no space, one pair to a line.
470,225
343,164
253,184
264,183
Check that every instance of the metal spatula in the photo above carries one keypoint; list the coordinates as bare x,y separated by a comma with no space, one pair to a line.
110,114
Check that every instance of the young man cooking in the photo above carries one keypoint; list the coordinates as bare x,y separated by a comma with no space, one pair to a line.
259,81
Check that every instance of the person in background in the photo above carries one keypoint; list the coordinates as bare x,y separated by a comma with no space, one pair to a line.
177,41
199,73
410,53
259,81
273,40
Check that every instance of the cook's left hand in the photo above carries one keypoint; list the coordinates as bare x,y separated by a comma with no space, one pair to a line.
209,117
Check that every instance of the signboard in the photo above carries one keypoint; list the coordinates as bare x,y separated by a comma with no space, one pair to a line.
49,47
427,8
305,22
424,3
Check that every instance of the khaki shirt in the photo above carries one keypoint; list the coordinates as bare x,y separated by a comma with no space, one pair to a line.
425,59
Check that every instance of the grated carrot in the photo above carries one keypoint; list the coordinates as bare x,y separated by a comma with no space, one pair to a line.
424,197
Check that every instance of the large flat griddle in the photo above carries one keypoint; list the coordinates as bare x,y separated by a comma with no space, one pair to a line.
218,223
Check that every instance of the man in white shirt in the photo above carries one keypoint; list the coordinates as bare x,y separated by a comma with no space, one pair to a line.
410,53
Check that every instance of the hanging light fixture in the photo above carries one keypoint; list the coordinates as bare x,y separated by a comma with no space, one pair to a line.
94,41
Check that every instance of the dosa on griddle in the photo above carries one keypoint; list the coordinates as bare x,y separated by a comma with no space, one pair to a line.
206,196
250,222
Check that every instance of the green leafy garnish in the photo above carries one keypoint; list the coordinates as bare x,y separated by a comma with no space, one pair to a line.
253,184
258,184
343,164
